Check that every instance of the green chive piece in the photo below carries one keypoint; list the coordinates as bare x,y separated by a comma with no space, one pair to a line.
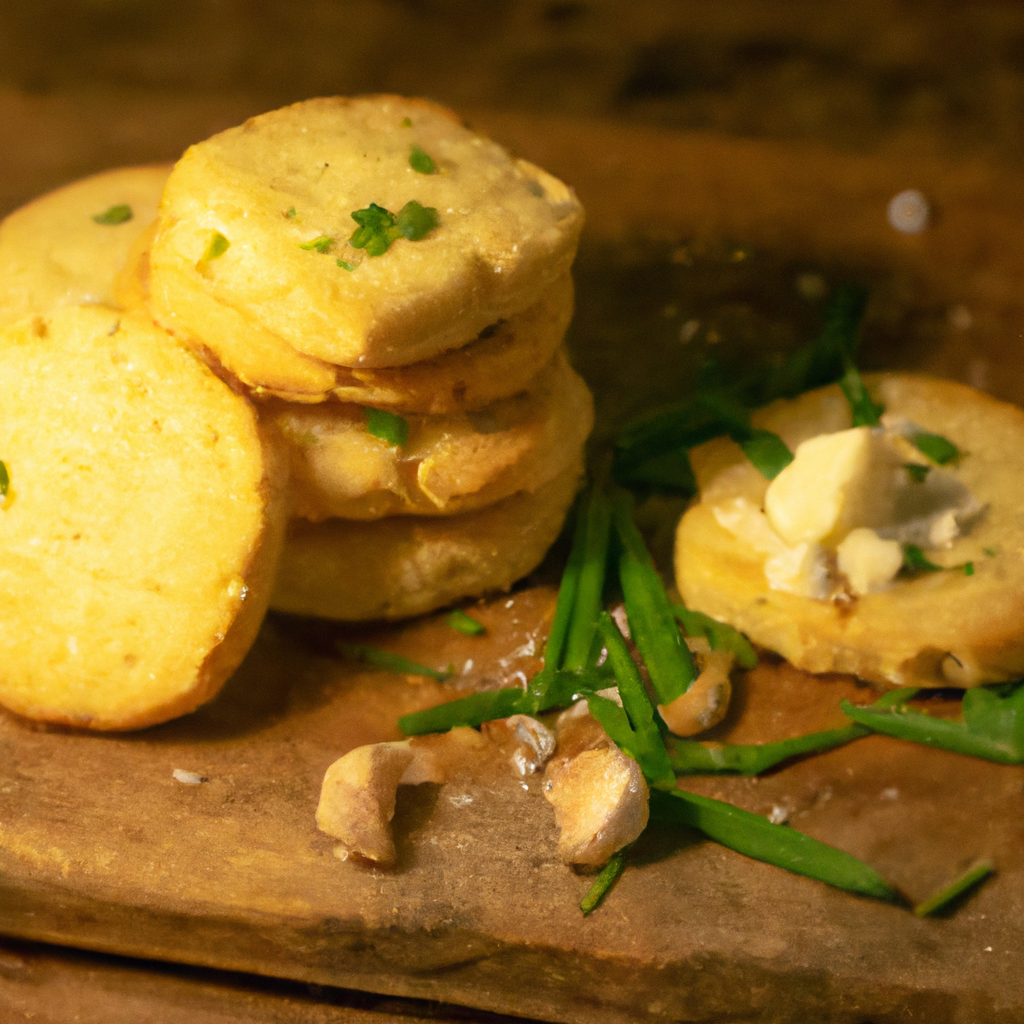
406,122
915,560
756,837
376,231
595,512
649,611
5,480
991,552
963,883
115,215
421,162
936,447
464,623
388,426
866,412
321,243
345,265
290,213
389,661
992,729
416,221
640,738
719,635
609,875
767,451
968,568
916,471
217,247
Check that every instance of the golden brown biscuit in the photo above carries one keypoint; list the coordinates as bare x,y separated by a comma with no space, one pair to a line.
407,565
936,629
54,253
228,265
141,525
449,464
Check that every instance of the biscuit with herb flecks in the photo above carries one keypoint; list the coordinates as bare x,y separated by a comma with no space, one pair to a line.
362,232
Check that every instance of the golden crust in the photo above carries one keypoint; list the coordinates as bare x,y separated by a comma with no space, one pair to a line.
901,636
403,566
507,231
141,528
449,464
52,252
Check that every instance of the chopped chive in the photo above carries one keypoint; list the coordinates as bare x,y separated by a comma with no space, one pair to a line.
389,661
756,837
114,215
388,426
643,741
321,243
916,471
767,451
290,212
866,412
421,162
217,247
5,480
719,635
968,568
936,447
651,621
915,560
595,515
376,231
345,265
609,875
416,221
406,122
464,623
973,876
991,552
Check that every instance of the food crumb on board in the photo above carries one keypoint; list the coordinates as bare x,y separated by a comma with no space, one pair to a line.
187,778
908,211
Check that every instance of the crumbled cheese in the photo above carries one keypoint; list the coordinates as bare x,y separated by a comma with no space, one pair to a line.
868,562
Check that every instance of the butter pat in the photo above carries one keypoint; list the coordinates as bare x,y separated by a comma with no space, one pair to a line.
836,482
868,562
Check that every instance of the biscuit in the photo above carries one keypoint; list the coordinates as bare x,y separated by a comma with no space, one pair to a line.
293,177
448,464
54,253
935,629
141,524
407,565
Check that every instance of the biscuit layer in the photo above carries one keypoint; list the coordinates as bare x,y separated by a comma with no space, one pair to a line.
141,525
449,464
284,180
408,565
905,635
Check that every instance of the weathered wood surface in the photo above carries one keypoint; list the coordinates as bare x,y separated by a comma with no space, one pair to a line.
101,848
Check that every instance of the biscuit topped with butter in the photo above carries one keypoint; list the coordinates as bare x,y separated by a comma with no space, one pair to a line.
364,232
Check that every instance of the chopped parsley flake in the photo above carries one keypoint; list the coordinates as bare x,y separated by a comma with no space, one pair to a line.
5,480
118,214
345,265
290,213
915,560
321,243
421,161
968,568
916,471
217,247
406,122
378,227
387,426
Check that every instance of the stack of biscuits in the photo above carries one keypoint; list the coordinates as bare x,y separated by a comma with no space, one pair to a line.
381,419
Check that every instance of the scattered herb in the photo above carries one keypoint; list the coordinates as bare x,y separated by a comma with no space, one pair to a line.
720,635
345,265
115,215
968,568
290,212
767,451
992,726
595,514
917,472
464,623
416,221
972,877
378,227
388,426
5,480
648,609
321,243
217,247
406,122
609,875
780,845
866,412
936,447
421,162
391,662
991,552
915,560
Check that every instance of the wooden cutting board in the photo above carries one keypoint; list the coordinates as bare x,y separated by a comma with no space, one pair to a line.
101,848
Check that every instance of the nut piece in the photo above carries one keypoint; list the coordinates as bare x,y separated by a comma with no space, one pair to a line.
707,700
357,798
527,743
600,799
